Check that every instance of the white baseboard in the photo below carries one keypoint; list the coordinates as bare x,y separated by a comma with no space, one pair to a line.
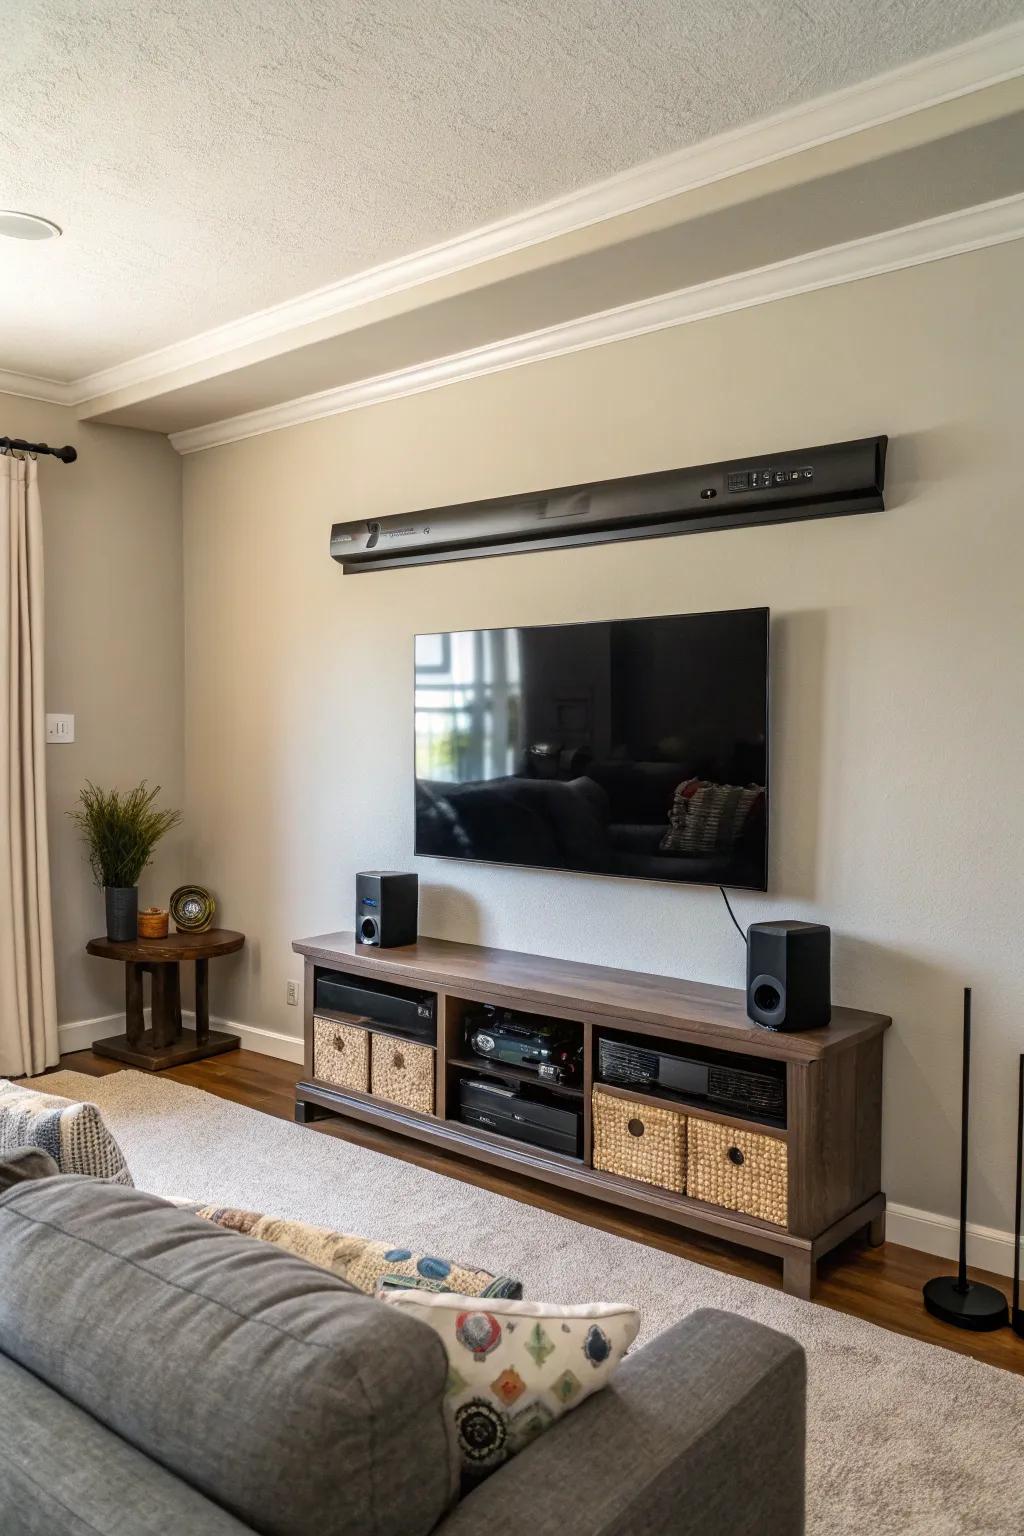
268,1042
79,1035
987,1247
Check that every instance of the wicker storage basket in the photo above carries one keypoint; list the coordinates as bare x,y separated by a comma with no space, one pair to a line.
341,1054
738,1169
402,1073
640,1141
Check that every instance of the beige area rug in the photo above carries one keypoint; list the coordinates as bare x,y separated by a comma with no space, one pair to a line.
905,1439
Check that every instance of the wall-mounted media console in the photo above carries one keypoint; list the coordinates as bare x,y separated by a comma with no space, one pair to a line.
784,487
651,1093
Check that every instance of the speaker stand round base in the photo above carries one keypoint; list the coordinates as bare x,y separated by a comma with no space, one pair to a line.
967,1305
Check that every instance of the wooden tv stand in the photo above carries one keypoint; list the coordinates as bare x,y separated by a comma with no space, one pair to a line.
832,1131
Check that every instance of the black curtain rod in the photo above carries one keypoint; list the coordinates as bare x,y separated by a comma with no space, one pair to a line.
67,455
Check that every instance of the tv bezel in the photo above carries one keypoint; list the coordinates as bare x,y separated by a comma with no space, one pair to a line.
595,874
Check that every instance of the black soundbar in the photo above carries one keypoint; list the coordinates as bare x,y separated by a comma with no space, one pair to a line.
398,1010
829,481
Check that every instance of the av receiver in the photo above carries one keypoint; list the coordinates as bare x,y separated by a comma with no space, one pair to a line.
757,1088
507,1111
546,1046
399,1010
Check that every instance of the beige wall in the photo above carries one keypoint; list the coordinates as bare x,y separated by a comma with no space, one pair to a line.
114,615
898,649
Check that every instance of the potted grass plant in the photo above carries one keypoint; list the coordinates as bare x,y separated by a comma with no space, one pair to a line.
121,831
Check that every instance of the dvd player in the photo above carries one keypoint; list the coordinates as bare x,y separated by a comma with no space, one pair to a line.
399,1010
757,1089
507,1112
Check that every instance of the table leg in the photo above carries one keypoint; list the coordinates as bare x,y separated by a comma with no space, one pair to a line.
202,1001
135,1022
166,1005
798,1274
175,990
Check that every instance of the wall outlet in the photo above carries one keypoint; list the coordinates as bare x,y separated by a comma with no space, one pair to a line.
292,994
60,728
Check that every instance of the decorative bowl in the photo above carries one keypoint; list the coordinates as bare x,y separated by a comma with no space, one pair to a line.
192,908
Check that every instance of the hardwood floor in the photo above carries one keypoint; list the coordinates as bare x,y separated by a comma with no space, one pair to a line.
882,1285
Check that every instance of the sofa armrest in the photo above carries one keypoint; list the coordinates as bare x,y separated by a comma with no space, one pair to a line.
701,1432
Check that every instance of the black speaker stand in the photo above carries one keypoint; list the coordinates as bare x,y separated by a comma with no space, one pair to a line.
953,1298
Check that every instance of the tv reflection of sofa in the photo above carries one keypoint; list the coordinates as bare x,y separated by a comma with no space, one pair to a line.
612,820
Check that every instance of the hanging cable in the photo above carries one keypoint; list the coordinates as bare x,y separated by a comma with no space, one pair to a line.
732,914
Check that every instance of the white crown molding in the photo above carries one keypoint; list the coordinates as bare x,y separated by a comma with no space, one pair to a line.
30,387
971,66
951,234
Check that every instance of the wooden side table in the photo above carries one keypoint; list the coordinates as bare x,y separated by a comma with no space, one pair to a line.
166,1043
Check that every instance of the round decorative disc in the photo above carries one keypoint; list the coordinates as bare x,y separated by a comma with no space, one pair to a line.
192,908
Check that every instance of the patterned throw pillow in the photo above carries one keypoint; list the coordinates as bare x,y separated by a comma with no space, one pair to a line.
518,1367
708,818
74,1134
367,1265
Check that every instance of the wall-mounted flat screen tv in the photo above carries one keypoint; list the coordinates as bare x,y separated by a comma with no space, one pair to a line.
636,747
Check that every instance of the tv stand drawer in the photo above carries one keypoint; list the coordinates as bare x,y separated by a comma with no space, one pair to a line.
739,1169
341,1054
402,1073
640,1141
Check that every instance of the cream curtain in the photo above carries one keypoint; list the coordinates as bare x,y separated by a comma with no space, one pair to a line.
28,1008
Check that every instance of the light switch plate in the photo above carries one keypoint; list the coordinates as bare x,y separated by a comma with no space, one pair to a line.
60,728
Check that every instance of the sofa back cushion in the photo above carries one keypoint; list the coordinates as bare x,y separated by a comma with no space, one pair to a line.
273,1387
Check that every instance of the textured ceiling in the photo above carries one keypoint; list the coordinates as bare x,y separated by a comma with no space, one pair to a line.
208,158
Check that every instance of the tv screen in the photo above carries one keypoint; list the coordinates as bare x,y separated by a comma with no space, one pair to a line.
636,747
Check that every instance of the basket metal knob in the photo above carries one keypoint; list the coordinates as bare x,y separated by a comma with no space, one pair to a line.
736,1156
398,1061
635,1127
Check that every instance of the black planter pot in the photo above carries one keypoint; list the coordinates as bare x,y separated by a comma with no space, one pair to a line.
122,913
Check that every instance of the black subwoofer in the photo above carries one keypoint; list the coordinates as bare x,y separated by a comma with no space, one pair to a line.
789,981
387,908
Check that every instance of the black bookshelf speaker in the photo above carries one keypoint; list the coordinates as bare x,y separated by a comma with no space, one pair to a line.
789,975
387,908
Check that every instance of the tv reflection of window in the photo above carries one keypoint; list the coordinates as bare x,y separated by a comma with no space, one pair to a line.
468,705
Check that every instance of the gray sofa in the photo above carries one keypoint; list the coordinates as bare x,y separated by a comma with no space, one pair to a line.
159,1375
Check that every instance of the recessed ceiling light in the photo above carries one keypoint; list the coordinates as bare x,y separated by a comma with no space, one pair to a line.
27,226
